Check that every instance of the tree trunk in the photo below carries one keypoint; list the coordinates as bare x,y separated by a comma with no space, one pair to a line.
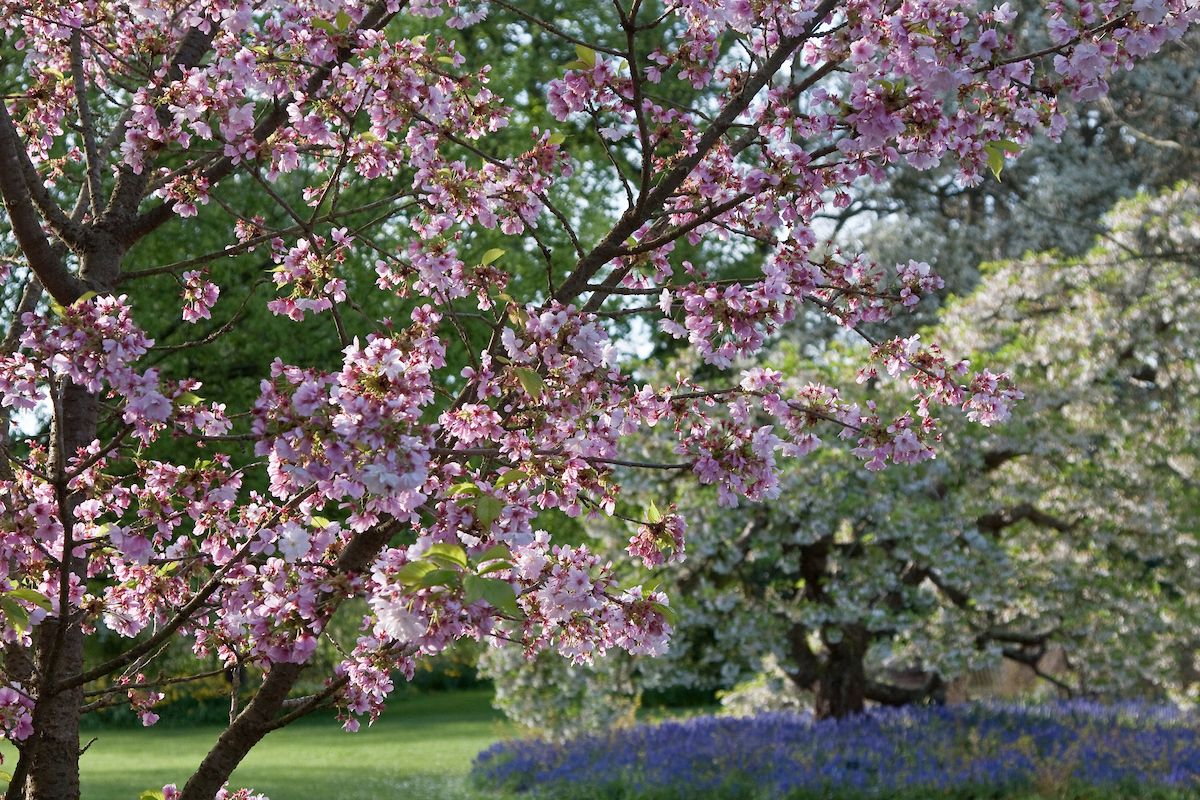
840,691
838,677
841,688
53,755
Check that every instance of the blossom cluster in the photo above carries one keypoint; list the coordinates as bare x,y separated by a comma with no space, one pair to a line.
16,712
95,343
171,792
545,596
659,541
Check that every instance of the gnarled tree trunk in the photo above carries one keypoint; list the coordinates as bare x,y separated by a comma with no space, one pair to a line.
841,688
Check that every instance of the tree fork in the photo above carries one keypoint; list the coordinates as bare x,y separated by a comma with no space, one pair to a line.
257,719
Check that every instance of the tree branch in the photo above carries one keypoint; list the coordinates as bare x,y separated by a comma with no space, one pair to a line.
47,263
999,520
131,186
634,218
87,124
374,19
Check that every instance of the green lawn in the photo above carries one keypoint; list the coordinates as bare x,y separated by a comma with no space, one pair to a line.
421,749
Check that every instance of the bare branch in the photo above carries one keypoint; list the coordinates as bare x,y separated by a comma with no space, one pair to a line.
551,28
999,520
87,123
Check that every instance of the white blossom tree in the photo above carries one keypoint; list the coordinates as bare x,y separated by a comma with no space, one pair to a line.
1074,524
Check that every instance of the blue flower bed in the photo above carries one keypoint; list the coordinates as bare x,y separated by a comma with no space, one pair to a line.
1073,750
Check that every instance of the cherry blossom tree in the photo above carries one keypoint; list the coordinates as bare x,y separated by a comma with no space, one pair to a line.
395,476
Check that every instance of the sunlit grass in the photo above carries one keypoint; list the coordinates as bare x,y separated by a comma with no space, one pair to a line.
421,749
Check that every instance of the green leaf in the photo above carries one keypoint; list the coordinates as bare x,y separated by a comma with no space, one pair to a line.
995,154
412,572
451,553
441,577
586,54
557,138
472,589
151,794
531,381
324,25
671,614
467,488
494,552
342,21
498,593
510,477
995,158
17,616
495,566
189,399
492,255
39,599
653,515
487,509
319,522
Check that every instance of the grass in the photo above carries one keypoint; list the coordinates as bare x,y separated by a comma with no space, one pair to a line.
421,749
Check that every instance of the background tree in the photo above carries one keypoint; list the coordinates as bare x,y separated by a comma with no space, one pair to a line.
1139,136
1095,495
1073,525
